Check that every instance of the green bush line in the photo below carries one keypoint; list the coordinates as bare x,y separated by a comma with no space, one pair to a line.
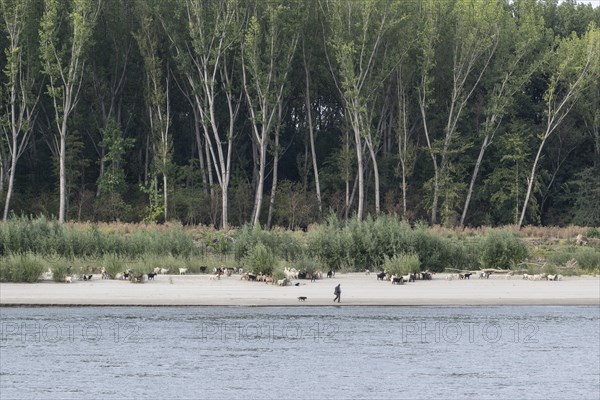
28,245
42,237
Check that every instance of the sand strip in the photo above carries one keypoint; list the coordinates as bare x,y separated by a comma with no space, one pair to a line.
357,290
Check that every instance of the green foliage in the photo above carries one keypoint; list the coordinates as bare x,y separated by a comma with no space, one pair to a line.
25,267
593,233
549,269
330,245
284,245
59,271
278,274
136,273
155,210
502,250
402,264
43,237
586,197
112,264
588,258
260,260
307,264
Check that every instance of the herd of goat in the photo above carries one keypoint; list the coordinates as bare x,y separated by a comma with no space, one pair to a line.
294,274
402,279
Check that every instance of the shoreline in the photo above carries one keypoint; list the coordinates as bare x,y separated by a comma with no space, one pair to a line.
358,289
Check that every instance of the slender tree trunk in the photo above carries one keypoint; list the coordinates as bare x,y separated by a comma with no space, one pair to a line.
258,196
530,181
403,137
200,149
165,196
484,146
375,174
274,184
433,160
359,163
11,177
347,179
63,171
1,177
147,160
352,196
311,134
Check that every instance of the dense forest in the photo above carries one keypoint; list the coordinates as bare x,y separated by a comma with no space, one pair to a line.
281,112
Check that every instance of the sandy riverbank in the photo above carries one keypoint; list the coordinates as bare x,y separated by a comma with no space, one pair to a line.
357,289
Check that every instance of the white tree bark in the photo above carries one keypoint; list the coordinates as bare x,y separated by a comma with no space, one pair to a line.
311,134
65,80
558,108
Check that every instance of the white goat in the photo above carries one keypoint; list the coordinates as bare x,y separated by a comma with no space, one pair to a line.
68,279
164,271
183,271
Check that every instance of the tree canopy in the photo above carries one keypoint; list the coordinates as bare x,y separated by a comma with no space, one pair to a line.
279,112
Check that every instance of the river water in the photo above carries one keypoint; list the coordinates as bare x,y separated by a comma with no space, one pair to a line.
300,352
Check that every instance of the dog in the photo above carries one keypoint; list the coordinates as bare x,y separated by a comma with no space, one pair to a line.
302,298
151,275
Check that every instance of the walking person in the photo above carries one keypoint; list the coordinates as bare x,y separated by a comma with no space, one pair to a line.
338,293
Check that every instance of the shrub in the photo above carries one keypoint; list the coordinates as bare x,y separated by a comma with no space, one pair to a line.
260,260
136,272
330,246
21,268
307,264
502,250
593,233
113,265
433,251
561,257
278,274
402,264
59,271
43,237
549,269
588,259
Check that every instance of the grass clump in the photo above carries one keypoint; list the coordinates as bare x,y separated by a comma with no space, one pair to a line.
25,267
502,250
260,260
113,264
59,271
402,264
307,264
